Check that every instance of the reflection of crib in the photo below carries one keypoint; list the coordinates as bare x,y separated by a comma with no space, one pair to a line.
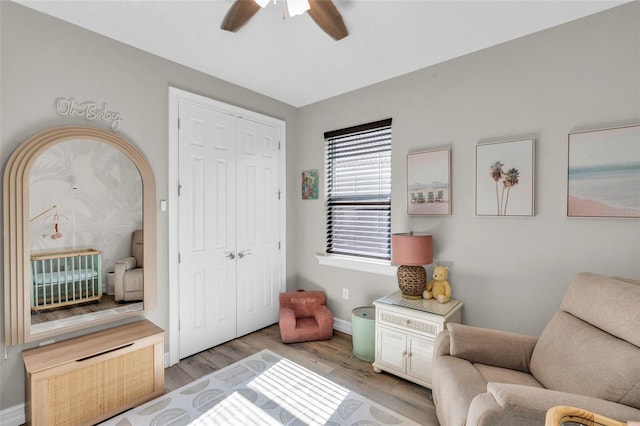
64,278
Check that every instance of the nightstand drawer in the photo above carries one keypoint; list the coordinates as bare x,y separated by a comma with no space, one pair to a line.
410,323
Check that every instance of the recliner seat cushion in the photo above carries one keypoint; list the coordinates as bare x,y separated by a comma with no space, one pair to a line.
505,375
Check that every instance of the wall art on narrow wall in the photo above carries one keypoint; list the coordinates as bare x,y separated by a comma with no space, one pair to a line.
429,182
505,178
310,185
604,173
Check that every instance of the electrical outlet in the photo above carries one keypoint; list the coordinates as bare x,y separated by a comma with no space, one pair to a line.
345,293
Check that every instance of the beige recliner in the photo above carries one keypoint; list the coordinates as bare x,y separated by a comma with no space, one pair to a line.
588,356
128,274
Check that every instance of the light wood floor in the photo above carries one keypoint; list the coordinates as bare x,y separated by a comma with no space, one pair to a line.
332,359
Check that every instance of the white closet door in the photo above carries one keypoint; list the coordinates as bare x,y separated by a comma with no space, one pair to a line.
229,204
207,230
257,229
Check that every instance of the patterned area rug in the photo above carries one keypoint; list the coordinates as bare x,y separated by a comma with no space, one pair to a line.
263,389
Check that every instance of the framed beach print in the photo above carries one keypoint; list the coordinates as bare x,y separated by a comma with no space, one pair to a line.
505,178
310,185
429,182
604,173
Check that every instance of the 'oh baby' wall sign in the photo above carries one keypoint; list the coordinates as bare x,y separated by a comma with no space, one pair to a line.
89,110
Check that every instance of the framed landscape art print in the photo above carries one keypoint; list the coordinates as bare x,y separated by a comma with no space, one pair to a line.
505,178
429,182
604,173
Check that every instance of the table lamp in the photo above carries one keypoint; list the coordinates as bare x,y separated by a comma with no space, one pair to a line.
411,251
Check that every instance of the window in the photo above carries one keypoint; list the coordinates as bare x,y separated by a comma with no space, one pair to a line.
358,190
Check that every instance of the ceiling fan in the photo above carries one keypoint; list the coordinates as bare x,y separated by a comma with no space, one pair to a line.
323,12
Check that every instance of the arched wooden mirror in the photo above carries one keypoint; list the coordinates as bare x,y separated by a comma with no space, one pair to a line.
79,214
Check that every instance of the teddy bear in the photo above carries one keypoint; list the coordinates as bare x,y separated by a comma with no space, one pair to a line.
438,288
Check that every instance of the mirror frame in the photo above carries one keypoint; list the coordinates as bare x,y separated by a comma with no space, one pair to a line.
17,243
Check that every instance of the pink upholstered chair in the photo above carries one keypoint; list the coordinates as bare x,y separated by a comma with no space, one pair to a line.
304,317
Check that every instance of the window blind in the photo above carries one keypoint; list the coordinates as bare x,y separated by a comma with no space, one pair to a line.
358,190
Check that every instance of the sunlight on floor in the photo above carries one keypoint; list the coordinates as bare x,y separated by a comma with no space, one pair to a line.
303,394
235,410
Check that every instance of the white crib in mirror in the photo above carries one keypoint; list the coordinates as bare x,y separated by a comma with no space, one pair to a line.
65,278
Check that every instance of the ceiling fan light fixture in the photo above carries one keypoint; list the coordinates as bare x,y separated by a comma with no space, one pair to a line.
297,7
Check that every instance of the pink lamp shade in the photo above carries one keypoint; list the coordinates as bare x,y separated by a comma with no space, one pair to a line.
412,249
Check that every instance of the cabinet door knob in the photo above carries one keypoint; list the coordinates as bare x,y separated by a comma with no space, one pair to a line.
407,322
404,354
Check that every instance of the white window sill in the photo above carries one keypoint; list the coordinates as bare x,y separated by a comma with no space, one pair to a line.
358,264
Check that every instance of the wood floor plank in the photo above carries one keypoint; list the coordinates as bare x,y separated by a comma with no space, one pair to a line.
332,359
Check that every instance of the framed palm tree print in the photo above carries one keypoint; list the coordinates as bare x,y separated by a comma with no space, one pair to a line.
429,182
505,178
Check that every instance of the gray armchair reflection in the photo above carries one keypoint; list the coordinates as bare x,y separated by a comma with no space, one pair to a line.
128,273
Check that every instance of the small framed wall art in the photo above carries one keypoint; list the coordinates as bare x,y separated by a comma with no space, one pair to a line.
505,178
310,185
429,182
604,173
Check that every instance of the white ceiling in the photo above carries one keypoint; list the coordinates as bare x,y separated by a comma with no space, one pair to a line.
292,60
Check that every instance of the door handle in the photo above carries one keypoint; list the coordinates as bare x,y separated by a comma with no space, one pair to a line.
230,255
243,253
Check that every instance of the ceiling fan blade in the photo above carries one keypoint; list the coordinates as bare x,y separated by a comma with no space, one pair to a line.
326,15
239,14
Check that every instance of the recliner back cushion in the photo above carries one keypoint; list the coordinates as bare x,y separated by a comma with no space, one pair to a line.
137,248
573,356
610,304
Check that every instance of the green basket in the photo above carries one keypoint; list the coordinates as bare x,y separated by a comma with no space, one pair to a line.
363,332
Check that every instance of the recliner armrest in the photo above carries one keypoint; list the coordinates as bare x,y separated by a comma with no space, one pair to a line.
502,401
491,347
122,266
442,344
126,263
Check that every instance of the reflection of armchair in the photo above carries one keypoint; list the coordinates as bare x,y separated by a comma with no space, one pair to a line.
128,273
304,317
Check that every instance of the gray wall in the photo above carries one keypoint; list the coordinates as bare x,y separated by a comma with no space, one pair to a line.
510,272
43,58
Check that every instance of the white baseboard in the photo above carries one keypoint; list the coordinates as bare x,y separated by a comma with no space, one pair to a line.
13,416
342,325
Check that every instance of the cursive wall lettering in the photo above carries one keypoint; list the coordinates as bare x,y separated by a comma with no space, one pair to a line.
88,110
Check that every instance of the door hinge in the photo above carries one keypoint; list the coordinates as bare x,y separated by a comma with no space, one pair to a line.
279,245
278,145
179,189
179,257
279,192
178,124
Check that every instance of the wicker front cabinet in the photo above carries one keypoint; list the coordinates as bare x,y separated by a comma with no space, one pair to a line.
406,331
88,379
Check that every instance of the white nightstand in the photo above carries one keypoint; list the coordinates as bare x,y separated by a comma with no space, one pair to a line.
406,331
